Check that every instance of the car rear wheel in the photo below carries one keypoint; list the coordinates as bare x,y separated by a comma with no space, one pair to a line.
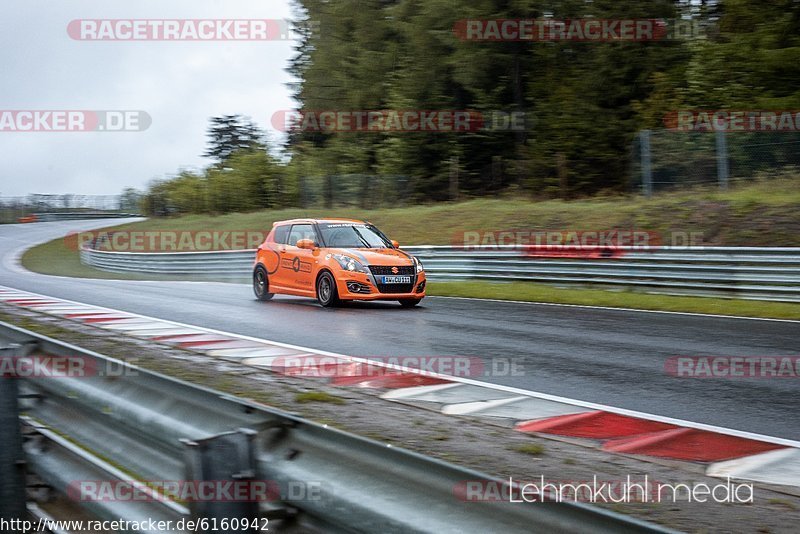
261,284
409,303
327,294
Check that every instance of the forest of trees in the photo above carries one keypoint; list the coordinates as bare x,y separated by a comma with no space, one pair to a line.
585,100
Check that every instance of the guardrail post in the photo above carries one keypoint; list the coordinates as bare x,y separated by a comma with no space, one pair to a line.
226,457
12,460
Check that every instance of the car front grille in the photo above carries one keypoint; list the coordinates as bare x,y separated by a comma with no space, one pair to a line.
386,270
401,270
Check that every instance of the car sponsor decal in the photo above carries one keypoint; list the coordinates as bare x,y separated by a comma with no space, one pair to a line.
296,265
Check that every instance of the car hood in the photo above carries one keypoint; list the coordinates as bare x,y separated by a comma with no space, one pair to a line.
376,256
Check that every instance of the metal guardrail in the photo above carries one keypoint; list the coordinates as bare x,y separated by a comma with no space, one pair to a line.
136,424
743,272
79,215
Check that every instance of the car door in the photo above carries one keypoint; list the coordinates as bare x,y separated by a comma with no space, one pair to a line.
274,254
297,263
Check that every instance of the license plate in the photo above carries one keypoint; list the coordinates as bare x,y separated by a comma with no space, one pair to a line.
396,279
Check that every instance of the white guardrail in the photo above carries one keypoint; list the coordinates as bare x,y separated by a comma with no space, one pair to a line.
763,273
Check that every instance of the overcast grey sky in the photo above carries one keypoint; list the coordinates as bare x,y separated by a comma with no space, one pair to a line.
179,84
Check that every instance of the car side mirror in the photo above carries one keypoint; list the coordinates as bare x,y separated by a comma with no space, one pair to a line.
395,244
306,244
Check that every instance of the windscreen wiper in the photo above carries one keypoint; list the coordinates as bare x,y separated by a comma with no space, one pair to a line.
361,237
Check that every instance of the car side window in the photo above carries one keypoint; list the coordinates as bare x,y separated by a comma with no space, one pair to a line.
281,233
301,231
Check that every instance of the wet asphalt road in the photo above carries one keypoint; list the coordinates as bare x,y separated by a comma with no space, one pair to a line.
611,357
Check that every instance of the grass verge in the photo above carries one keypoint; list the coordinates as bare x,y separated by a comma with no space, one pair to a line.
534,449
318,396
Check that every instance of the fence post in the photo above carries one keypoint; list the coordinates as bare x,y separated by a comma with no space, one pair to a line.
647,169
722,159
12,460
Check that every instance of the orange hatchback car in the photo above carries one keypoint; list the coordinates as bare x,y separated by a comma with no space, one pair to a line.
335,260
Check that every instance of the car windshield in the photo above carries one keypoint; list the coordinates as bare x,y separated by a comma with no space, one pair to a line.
350,235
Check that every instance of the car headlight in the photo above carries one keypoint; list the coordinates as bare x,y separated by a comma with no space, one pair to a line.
418,263
350,264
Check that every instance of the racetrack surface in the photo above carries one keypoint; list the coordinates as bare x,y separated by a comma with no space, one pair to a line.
613,357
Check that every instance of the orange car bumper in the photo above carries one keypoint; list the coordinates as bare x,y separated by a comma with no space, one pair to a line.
362,286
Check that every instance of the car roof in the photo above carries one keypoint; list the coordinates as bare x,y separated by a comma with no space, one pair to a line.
327,219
